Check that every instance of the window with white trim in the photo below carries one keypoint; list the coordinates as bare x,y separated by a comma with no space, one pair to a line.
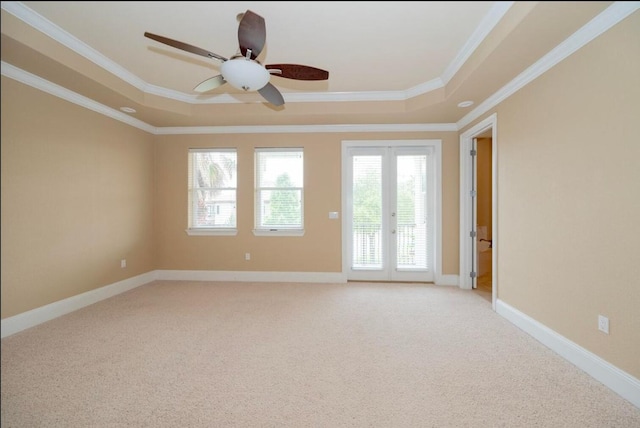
279,191
212,191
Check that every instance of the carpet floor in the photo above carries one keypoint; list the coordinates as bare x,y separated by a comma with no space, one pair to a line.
233,354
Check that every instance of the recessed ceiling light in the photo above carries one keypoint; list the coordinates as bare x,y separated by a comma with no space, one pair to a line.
465,104
128,109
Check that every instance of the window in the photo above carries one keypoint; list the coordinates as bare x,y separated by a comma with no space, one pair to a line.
212,191
279,175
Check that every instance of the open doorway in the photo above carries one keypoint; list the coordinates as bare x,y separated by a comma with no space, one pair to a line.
484,212
478,213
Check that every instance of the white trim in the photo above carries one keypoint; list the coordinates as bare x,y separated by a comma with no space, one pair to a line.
615,379
278,232
45,26
607,19
487,24
25,320
250,276
17,323
598,25
302,129
466,140
211,232
447,280
43,85
36,82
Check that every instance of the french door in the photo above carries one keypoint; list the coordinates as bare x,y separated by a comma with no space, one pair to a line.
389,212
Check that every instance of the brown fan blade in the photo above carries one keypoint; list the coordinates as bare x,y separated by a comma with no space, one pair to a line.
184,46
272,94
252,34
210,84
297,72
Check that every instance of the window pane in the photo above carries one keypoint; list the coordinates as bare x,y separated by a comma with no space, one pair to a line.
212,188
281,208
279,189
216,208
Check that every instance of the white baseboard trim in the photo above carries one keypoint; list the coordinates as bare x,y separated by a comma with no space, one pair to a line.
453,280
25,320
615,379
250,276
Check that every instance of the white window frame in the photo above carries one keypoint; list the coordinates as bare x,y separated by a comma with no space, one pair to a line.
209,230
279,231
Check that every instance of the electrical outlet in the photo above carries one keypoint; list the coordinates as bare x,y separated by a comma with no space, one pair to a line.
247,256
123,263
603,324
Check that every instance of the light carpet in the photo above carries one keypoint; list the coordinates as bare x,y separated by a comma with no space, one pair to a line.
233,354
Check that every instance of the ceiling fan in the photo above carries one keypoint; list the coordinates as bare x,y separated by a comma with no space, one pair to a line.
243,70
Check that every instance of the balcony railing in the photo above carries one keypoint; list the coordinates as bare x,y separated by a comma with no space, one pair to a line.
367,245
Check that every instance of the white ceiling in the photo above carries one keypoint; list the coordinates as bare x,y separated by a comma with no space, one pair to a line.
394,62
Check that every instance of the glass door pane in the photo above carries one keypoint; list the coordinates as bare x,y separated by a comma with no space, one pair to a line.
367,242
411,212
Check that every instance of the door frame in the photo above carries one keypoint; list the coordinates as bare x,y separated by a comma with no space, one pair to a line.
437,245
468,204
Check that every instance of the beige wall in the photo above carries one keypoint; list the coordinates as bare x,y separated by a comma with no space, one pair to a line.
319,250
81,191
569,197
77,191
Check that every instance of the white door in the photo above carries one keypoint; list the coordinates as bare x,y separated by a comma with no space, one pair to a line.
389,213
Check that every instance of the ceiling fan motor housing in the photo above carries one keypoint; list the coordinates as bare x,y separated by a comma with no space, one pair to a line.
245,74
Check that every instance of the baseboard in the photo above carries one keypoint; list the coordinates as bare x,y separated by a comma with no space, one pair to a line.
25,320
615,379
250,276
453,280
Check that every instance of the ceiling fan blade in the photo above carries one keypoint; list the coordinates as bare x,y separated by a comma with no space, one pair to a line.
210,84
184,46
272,94
297,72
252,34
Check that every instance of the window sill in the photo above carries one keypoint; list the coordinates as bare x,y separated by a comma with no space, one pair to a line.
212,232
278,232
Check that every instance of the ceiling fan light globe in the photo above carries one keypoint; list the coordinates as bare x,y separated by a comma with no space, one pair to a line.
245,74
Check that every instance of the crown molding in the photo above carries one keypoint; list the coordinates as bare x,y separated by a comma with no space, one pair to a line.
43,85
304,129
608,18
487,24
601,23
27,15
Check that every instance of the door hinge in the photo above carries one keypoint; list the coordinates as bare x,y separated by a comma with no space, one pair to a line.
472,274
473,152
472,234
473,193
